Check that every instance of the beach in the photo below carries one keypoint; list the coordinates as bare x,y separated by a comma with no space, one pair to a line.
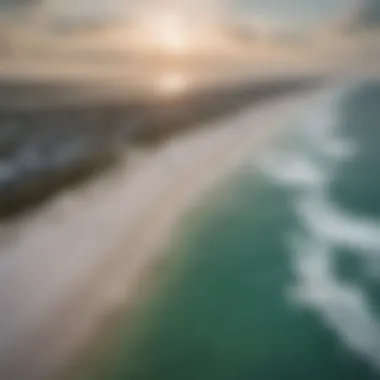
275,272
63,271
189,190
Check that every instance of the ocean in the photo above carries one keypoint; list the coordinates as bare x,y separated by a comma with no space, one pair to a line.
276,273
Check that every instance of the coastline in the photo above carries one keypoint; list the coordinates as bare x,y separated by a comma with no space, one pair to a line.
50,147
138,204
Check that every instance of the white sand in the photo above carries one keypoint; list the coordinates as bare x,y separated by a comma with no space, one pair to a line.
83,254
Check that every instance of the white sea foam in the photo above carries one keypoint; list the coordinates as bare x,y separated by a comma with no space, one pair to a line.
327,220
320,130
312,162
295,170
343,307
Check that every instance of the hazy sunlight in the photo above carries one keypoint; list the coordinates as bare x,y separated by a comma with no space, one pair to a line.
172,83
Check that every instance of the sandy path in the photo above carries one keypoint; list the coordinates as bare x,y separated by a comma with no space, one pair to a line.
83,254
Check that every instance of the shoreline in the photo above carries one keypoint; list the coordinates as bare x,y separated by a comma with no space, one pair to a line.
138,205
53,148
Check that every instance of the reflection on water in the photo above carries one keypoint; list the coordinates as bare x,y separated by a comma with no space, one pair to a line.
172,83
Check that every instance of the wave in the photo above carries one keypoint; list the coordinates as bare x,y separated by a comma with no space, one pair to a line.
317,146
296,170
325,219
309,167
344,308
319,129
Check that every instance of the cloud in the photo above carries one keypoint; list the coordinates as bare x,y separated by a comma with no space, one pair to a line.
14,4
370,13
365,16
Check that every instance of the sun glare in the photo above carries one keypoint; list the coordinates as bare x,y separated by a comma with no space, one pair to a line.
168,31
171,33
172,83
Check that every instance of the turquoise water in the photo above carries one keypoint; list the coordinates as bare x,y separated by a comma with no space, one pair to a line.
278,275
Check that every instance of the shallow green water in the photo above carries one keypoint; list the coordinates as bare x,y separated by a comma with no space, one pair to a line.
278,275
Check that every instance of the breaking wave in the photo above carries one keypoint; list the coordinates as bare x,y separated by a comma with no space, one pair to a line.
307,170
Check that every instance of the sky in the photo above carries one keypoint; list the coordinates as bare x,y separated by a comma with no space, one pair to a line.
291,12
299,12
294,13
369,15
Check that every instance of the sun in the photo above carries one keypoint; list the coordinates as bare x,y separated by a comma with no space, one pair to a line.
168,31
171,33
